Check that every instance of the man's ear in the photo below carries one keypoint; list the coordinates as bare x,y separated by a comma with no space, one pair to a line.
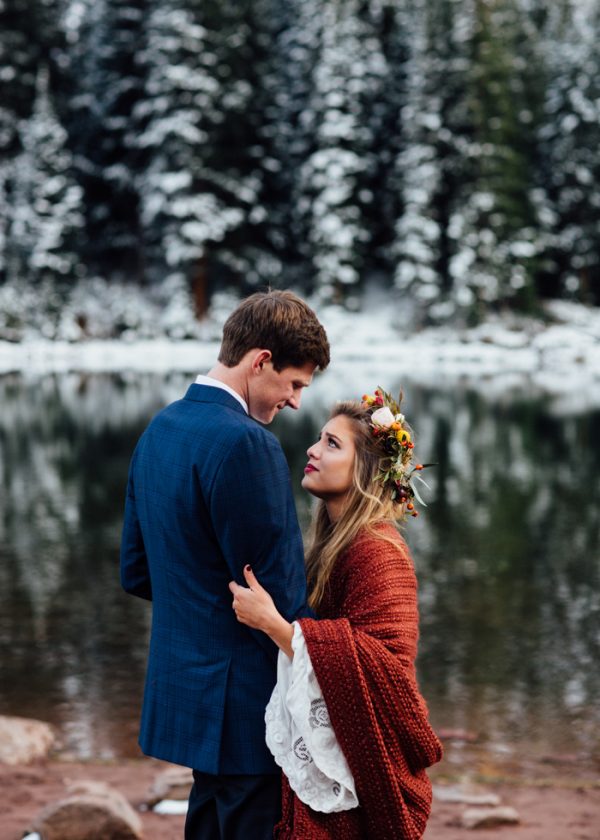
260,359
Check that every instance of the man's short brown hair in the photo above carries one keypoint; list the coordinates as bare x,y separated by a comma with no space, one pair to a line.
278,321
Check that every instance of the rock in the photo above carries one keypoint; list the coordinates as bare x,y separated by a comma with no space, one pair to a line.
23,740
90,811
173,783
489,817
449,794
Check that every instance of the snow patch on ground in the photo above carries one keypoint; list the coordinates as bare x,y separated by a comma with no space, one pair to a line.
171,807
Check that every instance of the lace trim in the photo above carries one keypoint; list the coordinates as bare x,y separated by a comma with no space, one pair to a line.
301,738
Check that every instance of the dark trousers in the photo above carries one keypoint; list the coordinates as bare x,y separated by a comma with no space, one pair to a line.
233,807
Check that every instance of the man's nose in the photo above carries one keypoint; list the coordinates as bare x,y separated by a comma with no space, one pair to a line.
294,402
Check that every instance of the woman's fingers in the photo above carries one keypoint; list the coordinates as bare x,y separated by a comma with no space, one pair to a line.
240,593
251,603
251,578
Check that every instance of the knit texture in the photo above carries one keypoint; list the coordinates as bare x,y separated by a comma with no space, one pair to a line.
363,650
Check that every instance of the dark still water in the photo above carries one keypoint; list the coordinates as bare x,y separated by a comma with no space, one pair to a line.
506,555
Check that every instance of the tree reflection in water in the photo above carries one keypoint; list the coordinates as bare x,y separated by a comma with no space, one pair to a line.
506,555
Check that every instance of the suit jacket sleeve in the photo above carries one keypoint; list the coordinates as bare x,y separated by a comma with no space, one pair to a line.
253,512
135,577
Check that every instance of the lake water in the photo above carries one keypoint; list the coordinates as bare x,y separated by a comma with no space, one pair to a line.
506,554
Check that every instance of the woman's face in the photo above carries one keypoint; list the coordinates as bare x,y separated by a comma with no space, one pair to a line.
328,474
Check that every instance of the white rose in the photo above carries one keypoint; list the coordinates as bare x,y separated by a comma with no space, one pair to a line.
399,418
382,417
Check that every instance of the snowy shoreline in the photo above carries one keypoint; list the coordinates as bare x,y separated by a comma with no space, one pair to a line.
560,360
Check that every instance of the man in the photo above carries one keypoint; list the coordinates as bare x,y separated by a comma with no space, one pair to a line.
209,493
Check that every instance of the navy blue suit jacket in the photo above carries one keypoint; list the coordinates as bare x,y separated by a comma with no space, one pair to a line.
208,492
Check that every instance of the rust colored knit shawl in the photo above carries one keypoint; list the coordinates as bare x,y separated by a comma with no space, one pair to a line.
363,650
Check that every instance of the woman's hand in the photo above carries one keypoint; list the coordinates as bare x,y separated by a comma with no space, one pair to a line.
254,606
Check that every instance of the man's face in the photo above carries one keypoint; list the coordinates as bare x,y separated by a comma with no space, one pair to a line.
271,391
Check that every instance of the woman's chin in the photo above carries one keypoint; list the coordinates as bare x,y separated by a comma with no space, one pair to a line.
308,485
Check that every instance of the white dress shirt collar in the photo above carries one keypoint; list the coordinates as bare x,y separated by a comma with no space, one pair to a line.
216,383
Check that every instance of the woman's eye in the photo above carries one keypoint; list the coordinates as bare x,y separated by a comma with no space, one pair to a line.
331,442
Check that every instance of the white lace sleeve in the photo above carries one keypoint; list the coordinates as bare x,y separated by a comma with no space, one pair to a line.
301,738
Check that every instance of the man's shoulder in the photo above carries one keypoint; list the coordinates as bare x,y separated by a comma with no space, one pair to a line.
224,421
248,432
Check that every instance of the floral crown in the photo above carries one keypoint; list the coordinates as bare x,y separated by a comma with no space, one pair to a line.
393,434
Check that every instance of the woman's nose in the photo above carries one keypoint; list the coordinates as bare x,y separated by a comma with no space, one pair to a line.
312,451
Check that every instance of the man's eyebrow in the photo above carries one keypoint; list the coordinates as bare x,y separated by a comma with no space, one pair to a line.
302,383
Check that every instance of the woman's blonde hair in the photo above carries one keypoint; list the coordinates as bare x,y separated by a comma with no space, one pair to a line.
369,503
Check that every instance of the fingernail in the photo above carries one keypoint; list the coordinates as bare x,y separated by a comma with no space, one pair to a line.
248,568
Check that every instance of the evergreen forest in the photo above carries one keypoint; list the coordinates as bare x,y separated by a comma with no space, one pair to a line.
445,150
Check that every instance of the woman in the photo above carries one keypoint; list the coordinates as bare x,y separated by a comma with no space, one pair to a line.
346,721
